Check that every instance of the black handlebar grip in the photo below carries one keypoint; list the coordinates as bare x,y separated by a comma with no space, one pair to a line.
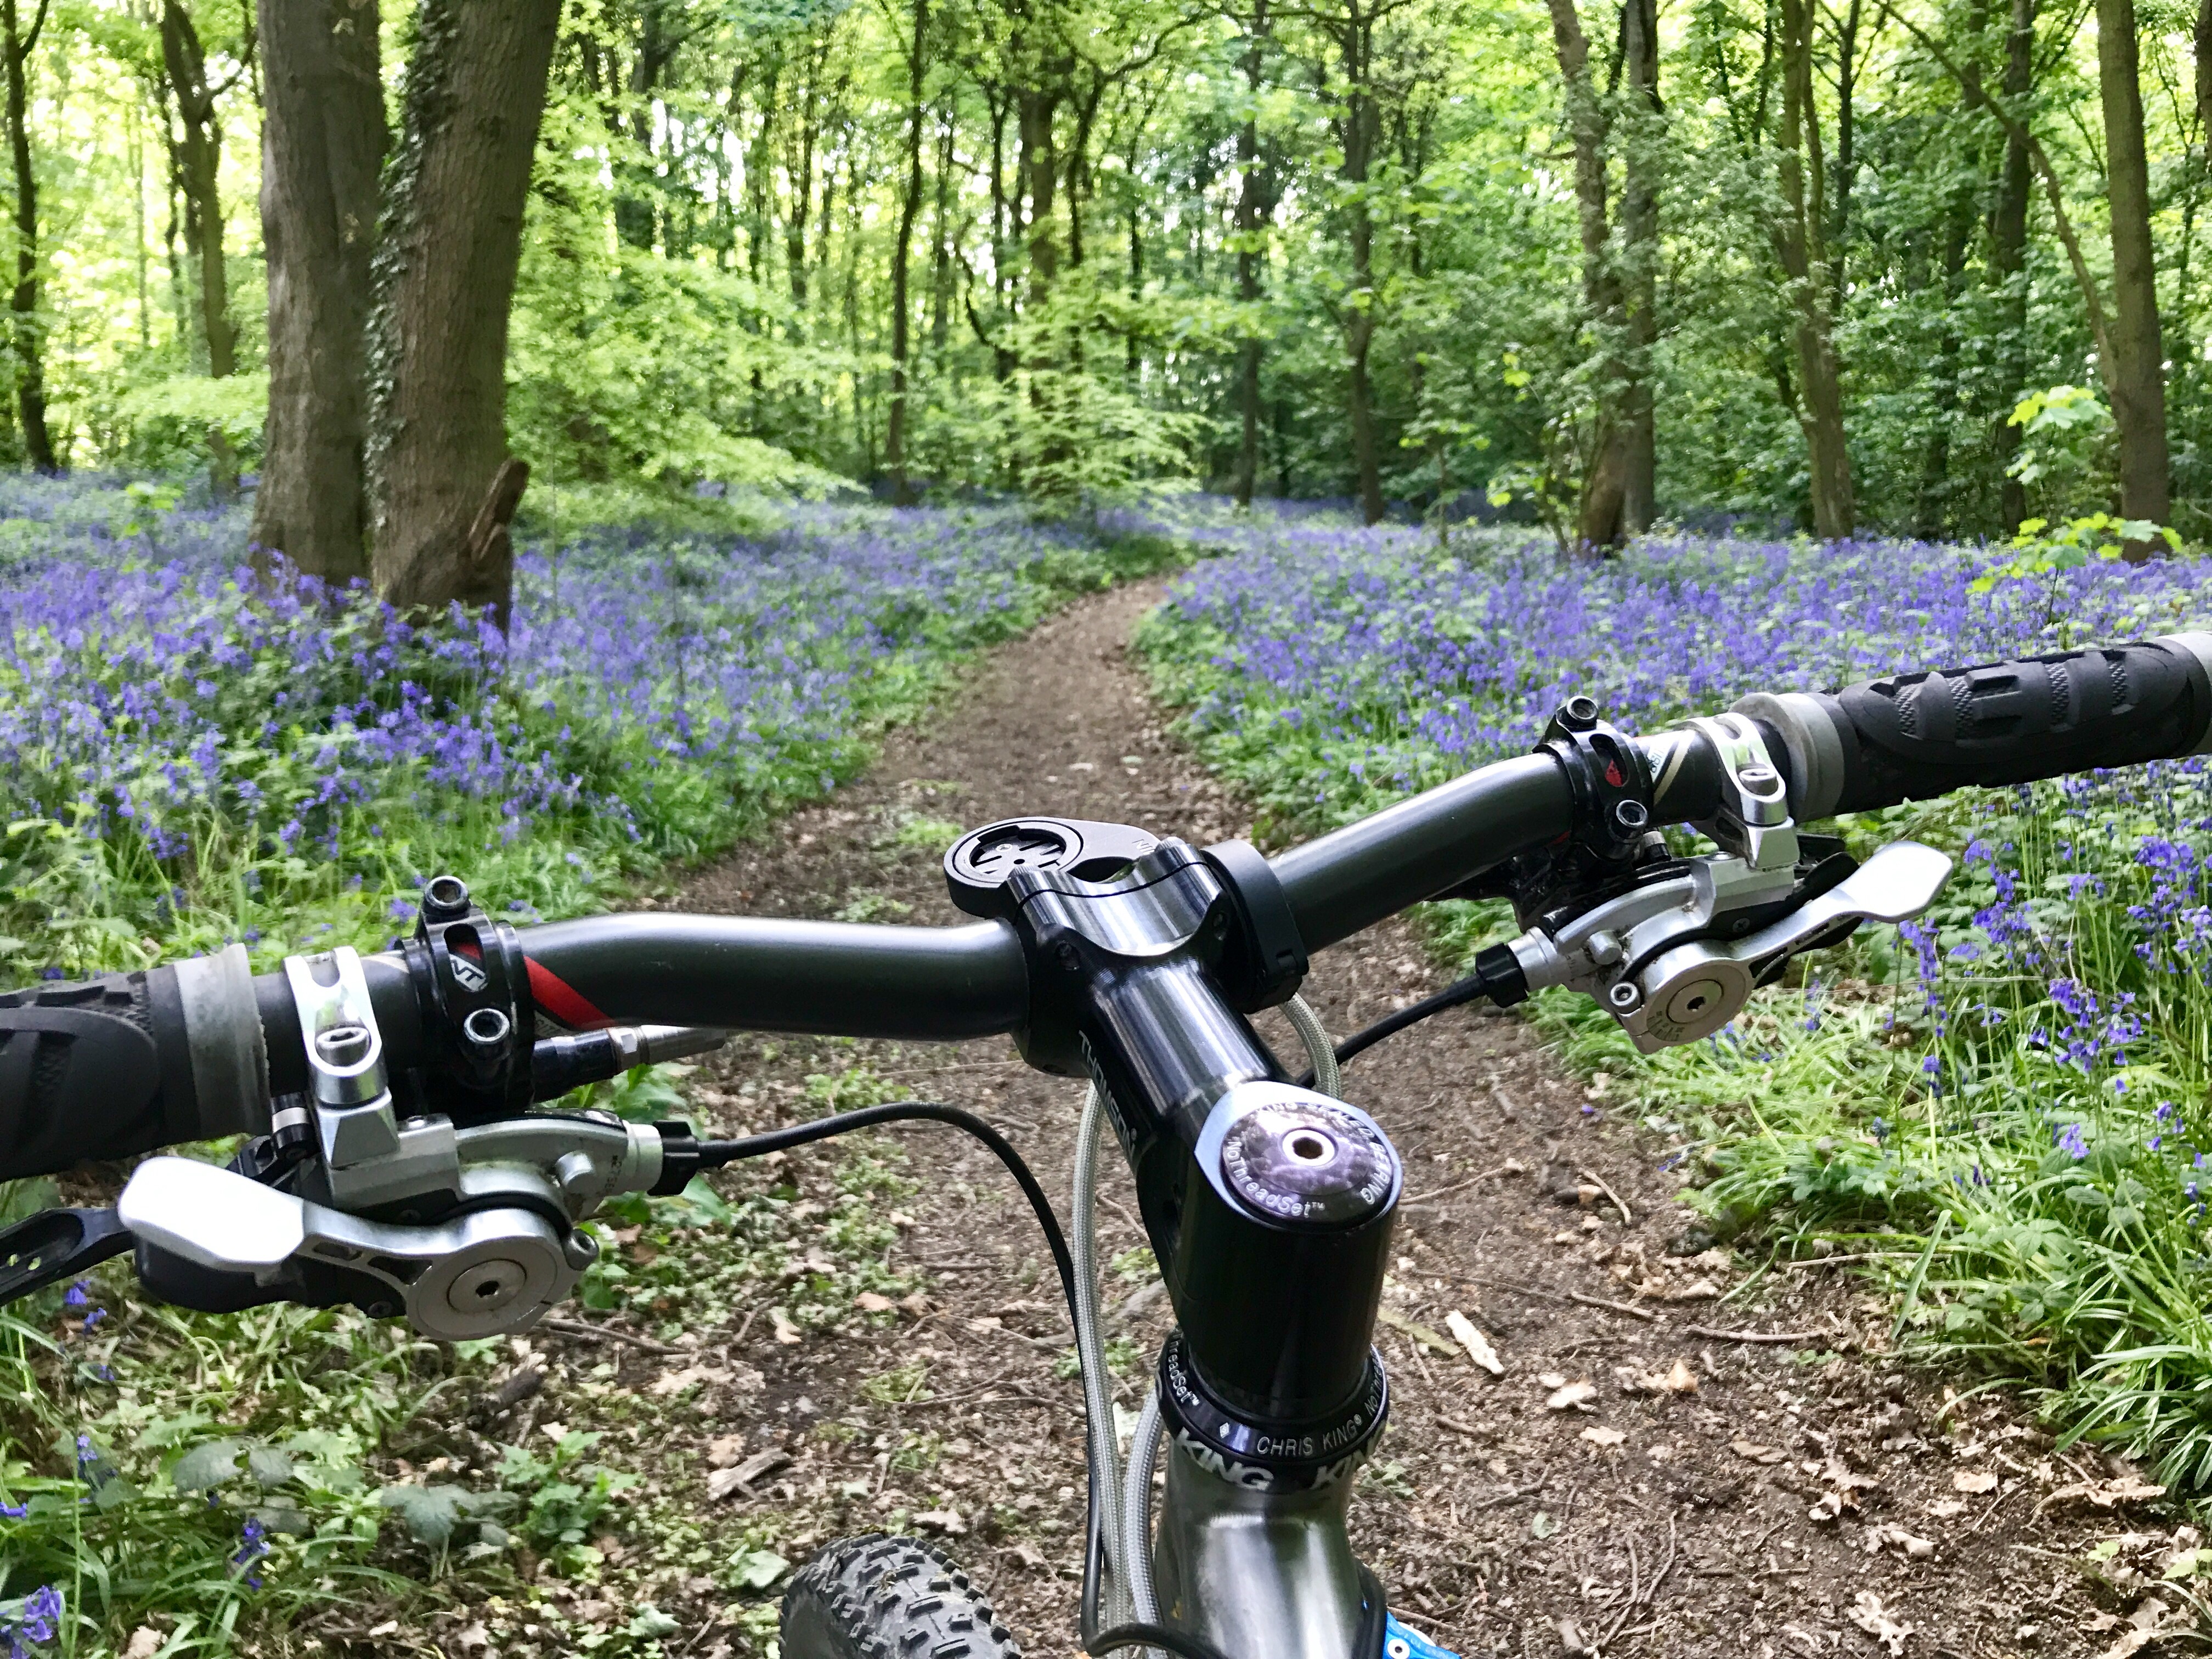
1908,737
105,1067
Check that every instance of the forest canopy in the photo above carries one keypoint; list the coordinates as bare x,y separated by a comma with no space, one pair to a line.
1846,265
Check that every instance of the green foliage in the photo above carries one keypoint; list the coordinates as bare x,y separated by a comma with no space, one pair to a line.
163,426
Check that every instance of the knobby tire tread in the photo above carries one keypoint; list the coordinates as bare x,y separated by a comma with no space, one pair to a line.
882,1597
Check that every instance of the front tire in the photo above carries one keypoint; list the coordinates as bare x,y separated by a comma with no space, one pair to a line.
879,1597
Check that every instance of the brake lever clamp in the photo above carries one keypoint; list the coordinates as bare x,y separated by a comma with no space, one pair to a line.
1676,960
491,1260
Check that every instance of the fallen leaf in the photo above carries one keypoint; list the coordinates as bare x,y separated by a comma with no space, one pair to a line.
145,1643
1551,1380
389,1627
1421,1334
476,1636
1867,1613
1888,1535
1575,1397
724,1450
1681,1380
670,1382
873,1302
786,1331
1703,1290
2105,1494
1974,1481
1476,1344
1844,1479
1603,1437
1944,1509
947,1521
1756,1453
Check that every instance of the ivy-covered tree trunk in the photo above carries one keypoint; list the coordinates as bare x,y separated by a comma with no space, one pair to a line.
1800,244
27,334
322,145
442,484
2137,376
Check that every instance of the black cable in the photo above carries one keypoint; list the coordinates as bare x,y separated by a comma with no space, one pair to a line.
1153,1636
718,1154
715,1154
1466,990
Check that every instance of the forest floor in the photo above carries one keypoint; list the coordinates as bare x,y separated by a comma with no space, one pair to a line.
1680,1458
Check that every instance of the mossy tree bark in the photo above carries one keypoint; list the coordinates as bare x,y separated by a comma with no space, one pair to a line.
445,272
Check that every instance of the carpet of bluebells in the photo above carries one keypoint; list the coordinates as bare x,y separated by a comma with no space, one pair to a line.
2007,1109
187,757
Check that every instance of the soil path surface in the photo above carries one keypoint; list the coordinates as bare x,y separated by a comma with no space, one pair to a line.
1658,1471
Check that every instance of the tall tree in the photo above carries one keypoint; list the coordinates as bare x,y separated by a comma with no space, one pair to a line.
1639,256
442,484
2136,378
2009,251
909,207
27,336
1605,468
1801,245
199,168
322,141
1352,30
1255,205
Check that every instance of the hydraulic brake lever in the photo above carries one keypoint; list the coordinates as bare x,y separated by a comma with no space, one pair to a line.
479,1272
1652,958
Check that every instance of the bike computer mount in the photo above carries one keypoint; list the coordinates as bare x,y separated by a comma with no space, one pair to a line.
1674,947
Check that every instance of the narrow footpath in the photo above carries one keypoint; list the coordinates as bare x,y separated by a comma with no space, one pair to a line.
1668,1465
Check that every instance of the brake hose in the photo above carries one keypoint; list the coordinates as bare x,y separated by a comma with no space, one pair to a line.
1478,983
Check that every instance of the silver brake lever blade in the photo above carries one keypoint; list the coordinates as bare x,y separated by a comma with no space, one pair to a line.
480,1273
1897,883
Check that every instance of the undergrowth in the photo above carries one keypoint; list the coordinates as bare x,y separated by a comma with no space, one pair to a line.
189,757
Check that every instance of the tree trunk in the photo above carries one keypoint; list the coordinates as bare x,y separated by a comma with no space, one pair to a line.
444,277
895,430
199,165
27,334
1847,43
1252,211
1605,475
1639,280
322,141
802,195
2009,255
2137,380
941,273
1802,249
1358,42
1932,498
1038,169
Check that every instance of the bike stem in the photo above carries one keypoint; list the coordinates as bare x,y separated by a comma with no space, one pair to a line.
1270,1208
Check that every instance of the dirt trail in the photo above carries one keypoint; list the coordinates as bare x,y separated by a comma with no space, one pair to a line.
1677,1511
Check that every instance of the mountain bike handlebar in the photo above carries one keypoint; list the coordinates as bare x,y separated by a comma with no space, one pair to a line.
126,1063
